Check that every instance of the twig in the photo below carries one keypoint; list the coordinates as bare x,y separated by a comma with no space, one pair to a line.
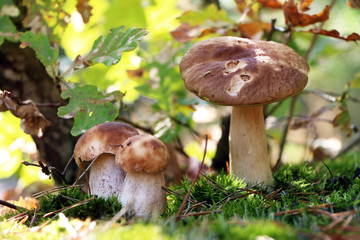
55,189
285,132
33,218
200,213
178,215
71,206
315,36
16,216
9,205
331,175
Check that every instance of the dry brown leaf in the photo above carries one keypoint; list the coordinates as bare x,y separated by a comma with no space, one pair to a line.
84,9
32,120
304,5
137,73
182,33
252,29
27,202
333,33
271,4
294,17
185,33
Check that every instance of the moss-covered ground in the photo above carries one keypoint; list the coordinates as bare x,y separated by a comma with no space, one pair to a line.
316,201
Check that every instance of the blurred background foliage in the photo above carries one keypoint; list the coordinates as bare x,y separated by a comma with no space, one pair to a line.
155,99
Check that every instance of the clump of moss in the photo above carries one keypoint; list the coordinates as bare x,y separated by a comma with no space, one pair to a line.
304,196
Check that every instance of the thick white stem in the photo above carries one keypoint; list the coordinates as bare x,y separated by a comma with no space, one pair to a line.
249,157
143,193
106,178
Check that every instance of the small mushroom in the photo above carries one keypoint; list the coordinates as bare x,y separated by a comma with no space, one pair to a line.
245,74
101,142
144,158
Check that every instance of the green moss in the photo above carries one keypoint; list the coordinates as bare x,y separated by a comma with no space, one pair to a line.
303,198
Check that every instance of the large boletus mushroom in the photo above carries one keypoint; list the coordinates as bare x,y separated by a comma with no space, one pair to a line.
245,74
101,143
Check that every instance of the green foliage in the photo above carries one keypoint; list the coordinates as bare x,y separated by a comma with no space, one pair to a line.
7,9
164,85
108,49
89,107
44,52
211,13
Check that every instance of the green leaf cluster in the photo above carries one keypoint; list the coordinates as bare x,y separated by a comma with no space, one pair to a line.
108,49
89,107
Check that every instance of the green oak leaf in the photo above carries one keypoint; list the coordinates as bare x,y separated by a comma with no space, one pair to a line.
88,107
44,52
7,27
108,49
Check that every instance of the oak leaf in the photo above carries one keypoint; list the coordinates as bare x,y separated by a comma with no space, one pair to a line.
271,4
294,17
333,33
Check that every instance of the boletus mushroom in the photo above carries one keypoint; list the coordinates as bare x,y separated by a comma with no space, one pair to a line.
100,143
144,158
244,74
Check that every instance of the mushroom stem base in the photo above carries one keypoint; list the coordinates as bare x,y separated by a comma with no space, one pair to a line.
143,193
249,157
106,178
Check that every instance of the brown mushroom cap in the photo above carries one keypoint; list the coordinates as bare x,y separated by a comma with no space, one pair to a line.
143,153
102,138
237,71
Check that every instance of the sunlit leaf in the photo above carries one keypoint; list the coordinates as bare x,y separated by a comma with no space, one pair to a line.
335,34
7,28
211,13
294,17
88,107
196,24
271,4
355,82
44,52
108,49
47,17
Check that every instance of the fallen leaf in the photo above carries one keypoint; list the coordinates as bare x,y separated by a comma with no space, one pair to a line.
84,9
294,17
333,33
27,202
32,120
271,4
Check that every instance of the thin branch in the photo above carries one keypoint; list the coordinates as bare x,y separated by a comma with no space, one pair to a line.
285,132
178,215
315,36
9,205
